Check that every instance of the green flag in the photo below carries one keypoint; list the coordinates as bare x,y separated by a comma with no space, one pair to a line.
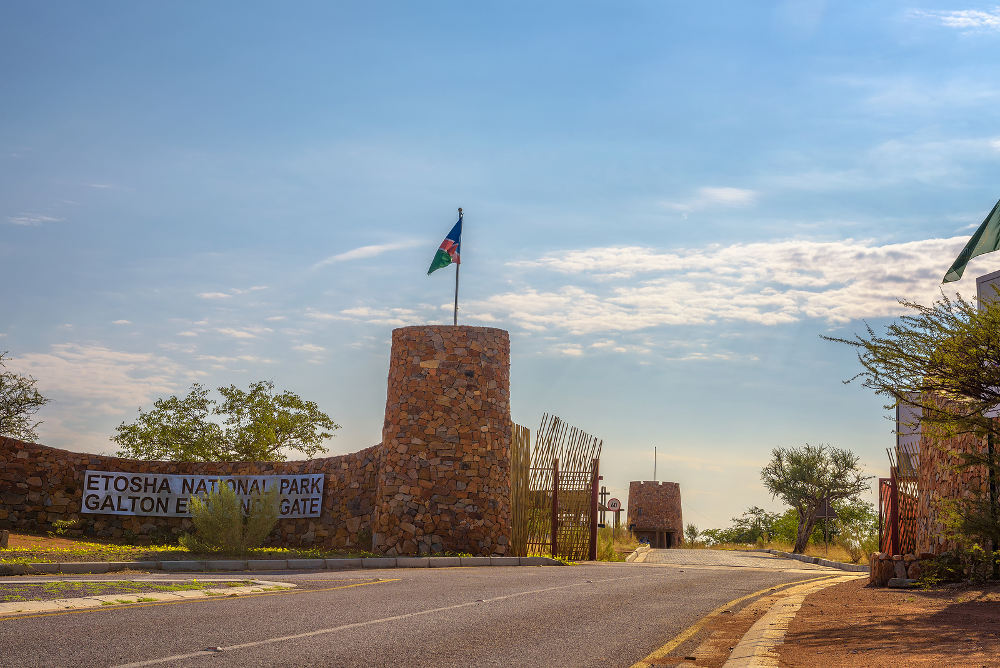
985,240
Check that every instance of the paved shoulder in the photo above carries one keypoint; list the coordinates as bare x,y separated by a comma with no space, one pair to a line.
726,559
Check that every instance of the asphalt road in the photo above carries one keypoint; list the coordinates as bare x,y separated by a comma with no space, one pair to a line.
586,615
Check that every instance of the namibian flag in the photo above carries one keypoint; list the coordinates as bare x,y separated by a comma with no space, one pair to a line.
448,251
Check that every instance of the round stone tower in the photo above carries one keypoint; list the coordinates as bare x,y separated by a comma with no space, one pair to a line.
444,473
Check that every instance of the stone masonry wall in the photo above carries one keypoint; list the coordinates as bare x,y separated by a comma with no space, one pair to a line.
940,479
655,506
39,485
444,470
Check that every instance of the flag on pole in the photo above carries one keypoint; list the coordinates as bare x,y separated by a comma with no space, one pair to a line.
985,240
448,251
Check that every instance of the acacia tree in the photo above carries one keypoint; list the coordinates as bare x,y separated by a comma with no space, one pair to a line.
944,359
19,401
805,477
253,425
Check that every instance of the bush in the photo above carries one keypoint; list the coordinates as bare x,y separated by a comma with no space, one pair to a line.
223,524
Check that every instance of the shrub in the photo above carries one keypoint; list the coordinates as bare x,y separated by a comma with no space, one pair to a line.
223,524
60,527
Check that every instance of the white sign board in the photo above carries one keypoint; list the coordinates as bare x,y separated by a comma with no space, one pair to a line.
166,495
614,505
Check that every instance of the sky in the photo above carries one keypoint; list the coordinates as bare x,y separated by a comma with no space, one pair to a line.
666,204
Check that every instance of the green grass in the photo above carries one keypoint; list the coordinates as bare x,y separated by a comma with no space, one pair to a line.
111,551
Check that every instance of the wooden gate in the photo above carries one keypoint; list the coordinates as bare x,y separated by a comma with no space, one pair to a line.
554,491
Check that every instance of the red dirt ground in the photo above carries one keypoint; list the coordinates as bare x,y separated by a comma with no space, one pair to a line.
854,625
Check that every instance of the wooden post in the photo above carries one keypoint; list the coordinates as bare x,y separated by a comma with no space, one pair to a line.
555,508
893,512
4,538
594,478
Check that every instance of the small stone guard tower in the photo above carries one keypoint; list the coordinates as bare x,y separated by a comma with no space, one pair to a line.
654,512
444,464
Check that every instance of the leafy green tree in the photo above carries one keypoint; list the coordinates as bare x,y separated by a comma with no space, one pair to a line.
804,477
19,401
945,360
253,425
856,528
691,533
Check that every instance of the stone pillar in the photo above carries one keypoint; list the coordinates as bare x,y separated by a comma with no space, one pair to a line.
444,474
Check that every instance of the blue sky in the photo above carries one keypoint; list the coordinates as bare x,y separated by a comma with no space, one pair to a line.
666,205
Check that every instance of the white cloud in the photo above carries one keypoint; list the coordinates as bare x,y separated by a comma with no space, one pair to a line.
966,20
276,318
709,197
766,283
33,219
231,293
121,322
365,252
243,333
392,317
187,333
98,379
309,348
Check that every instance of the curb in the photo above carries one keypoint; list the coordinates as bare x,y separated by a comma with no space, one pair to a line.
854,568
51,605
80,567
758,646
638,554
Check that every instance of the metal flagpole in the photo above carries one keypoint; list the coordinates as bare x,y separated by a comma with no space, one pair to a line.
458,265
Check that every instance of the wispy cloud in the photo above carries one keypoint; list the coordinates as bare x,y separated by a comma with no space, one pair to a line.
709,197
97,378
309,348
232,292
365,252
33,219
243,333
121,322
767,283
966,20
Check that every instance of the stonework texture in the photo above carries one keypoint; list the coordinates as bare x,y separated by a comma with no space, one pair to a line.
940,479
444,467
39,485
884,566
440,481
655,506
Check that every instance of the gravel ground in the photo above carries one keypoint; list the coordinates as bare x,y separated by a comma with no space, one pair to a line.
48,591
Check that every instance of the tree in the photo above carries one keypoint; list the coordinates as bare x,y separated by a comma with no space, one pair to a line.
805,477
253,425
944,359
691,533
19,401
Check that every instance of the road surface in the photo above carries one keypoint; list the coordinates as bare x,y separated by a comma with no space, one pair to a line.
585,615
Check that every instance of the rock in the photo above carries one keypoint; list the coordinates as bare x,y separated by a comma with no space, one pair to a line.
902,583
914,571
899,569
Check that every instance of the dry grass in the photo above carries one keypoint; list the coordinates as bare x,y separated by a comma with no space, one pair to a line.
615,545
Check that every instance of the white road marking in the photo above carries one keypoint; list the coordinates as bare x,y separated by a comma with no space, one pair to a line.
356,625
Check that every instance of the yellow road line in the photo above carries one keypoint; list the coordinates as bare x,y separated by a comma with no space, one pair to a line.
687,633
132,606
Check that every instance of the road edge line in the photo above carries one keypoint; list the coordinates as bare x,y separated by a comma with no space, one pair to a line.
686,634
757,646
